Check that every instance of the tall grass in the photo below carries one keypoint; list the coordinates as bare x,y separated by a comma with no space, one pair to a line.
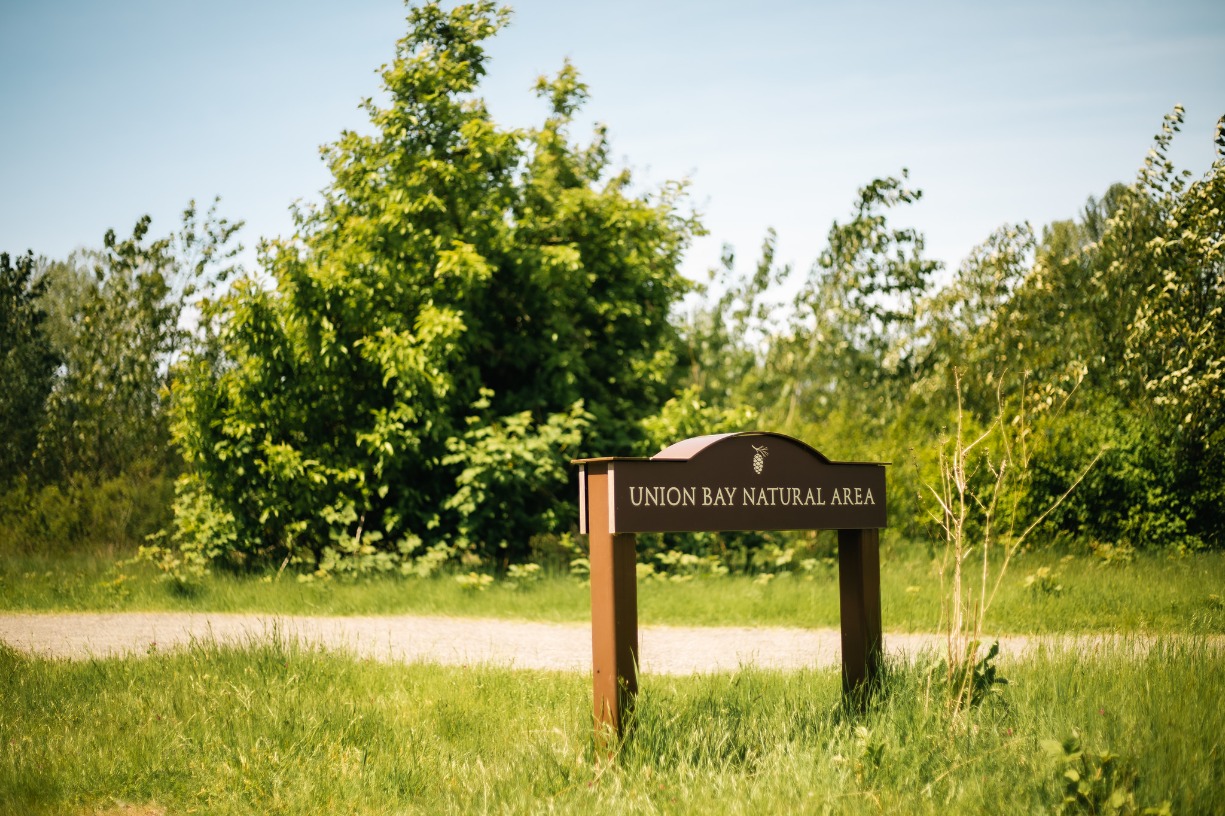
276,728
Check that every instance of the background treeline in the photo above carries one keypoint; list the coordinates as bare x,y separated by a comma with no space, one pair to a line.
402,383
87,349
1101,336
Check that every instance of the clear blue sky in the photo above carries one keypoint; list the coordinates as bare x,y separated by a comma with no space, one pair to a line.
777,112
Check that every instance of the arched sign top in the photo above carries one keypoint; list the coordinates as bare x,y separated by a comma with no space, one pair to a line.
756,480
689,448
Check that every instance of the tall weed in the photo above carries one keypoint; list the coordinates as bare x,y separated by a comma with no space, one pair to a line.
982,475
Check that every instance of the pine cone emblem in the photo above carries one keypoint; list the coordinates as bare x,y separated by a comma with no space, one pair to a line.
759,458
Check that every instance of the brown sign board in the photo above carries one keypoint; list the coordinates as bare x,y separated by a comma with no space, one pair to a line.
738,481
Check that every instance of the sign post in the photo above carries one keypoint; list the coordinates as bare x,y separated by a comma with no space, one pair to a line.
614,607
724,482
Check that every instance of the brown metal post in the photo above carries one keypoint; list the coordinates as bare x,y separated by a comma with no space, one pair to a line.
859,591
614,609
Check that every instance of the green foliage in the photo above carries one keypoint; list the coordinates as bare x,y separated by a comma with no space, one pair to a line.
116,318
1096,782
468,308
27,363
675,566
851,347
1176,340
1136,496
201,532
474,581
108,325
1100,335
94,337
523,575
867,284
106,409
1131,296
506,490
969,325
101,515
1044,581
1150,594
687,415
725,333
986,680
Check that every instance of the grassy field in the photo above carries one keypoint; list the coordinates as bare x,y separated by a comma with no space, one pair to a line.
279,729
1153,594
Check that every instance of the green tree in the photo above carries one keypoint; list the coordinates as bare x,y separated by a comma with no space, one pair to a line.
853,350
1175,342
27,363
724,335
968,326
869,281
1175,337
467,307
116,319
105,408
1116,332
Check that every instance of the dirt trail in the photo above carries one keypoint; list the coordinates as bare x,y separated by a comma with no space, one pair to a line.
459,641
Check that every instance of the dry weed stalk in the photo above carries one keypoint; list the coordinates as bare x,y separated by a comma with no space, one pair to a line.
963,500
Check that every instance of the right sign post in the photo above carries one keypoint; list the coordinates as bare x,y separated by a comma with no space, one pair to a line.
726,482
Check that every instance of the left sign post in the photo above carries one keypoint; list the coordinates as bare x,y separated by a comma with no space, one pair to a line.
614,606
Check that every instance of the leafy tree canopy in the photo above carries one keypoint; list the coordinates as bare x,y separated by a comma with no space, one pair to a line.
1102,336
116,319
468,307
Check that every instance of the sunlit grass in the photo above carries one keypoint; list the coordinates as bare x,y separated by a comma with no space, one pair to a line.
276,728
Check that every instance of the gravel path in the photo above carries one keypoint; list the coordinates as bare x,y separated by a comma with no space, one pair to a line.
458,641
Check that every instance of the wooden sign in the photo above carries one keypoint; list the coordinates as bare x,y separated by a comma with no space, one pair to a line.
740,481
748,481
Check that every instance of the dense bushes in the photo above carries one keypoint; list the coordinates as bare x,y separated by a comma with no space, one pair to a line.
106,515
27,364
